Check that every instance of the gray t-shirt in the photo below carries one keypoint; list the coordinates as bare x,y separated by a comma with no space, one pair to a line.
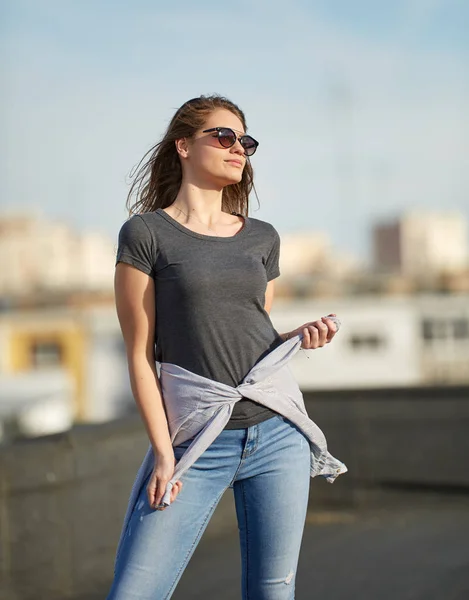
209,296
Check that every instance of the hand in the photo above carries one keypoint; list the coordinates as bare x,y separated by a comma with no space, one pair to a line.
162,473
317,334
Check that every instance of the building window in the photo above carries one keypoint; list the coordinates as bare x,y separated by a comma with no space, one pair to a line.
461,329
445,329
427,329
435,329
366,341
46,354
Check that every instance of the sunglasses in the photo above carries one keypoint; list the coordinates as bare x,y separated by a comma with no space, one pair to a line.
227,138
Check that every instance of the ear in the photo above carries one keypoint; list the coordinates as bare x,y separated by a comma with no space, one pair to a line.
182,147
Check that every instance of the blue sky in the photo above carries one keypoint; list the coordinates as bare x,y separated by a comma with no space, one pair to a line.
360,107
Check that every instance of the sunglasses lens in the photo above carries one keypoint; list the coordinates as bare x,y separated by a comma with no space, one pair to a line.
249,144
226,137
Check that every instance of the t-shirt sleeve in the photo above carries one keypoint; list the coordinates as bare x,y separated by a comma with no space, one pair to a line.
272,262
135,245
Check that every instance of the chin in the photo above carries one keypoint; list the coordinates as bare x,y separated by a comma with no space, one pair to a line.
225,180
234,177
234,180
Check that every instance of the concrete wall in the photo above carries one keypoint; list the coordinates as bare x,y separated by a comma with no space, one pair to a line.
62,498
401,440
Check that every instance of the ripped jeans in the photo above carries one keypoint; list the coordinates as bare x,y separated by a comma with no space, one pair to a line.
268,467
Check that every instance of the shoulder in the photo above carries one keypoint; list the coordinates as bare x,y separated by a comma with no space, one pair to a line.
136,244
137,236
269,241
264,228
265,232
141,226
140,220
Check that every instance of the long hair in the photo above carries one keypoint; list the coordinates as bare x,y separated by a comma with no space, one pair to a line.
157,181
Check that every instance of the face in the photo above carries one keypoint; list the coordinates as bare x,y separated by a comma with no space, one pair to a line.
206,161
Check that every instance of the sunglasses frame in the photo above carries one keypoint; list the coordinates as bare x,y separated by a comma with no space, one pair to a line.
236,138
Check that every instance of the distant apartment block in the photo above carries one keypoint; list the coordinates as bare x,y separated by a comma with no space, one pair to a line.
37,253
308,253
68,364
422,243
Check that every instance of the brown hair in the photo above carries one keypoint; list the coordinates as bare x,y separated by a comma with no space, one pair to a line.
157,182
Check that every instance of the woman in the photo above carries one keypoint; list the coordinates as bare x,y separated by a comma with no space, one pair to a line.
194,285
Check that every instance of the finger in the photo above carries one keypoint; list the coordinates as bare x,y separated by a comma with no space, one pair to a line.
306,339
332,328
160,491
176,489
174,492
153,503
323,330
151,492
314,336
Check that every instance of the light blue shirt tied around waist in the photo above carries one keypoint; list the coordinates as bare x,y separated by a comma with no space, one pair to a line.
200,407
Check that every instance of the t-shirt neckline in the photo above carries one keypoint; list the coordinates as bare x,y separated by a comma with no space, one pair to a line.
201,236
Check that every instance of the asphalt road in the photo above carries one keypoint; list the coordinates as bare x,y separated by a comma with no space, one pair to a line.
419,553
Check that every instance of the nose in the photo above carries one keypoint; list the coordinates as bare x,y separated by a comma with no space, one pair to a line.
238,148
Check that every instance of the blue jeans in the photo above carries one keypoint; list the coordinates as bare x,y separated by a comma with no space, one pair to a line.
267,465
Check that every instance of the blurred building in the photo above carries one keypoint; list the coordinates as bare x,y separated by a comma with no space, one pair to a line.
308,253
61,365
38,254
65,365
383,341
422,244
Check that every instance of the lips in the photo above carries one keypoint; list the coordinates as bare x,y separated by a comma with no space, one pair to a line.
236,163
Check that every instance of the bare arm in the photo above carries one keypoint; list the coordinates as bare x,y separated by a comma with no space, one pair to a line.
269,300
269,296
135,304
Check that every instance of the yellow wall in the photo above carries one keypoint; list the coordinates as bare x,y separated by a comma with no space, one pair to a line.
70,338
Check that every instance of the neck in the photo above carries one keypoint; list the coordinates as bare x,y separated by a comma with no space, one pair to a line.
203,204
